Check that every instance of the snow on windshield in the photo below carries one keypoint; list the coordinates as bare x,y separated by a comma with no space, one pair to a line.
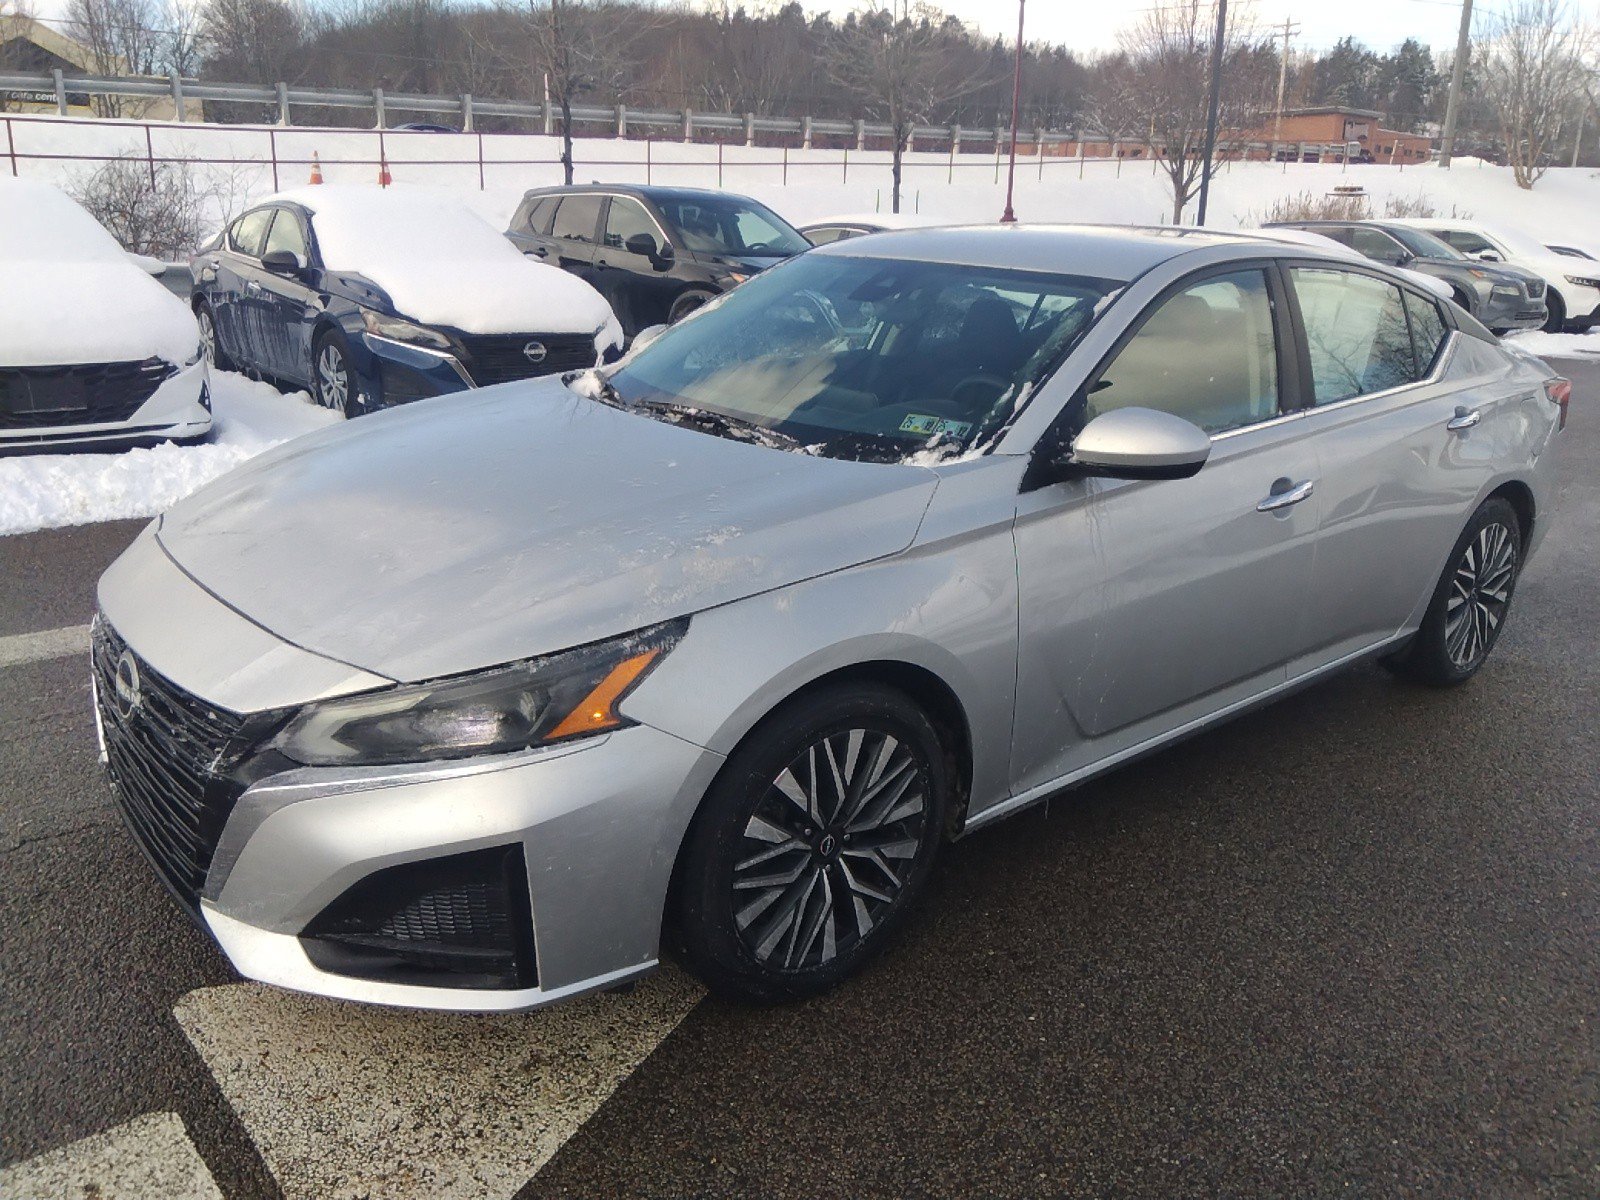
442,264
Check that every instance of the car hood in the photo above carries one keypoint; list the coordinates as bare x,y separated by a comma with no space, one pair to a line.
474,529
92,312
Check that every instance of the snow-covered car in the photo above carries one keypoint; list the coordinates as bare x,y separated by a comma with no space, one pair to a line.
373,297
93,351
1573,290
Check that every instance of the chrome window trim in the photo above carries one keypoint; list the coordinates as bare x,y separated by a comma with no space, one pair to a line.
665,240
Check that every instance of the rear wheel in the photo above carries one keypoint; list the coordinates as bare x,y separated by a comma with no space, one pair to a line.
333,381
210,346
813,843
1471,601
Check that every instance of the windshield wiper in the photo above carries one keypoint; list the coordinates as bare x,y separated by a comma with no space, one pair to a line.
595,386
738,429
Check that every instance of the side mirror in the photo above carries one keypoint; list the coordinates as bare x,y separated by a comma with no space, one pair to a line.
1489,256
642,243
282,262
645,336
1140,443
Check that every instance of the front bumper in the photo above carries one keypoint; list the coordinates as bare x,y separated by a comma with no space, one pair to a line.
180,407
399,372
1506,313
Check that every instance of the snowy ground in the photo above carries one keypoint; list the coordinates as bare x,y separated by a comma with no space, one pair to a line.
1559,345
47,490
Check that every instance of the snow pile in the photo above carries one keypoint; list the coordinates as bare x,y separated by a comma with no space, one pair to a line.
68,293
442,264
46,490
1556,345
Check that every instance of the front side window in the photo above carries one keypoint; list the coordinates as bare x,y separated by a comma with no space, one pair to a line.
726,225
249,231
1357,335
867,358
828,235
286,235
576,218
1377,245
1467,243
1208,354
625,219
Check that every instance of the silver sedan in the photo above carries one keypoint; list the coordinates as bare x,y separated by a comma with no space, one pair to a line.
482,703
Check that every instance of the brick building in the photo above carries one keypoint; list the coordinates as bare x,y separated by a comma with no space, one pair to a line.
1331,126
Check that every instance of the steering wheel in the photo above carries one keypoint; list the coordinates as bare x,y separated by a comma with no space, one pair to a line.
983,388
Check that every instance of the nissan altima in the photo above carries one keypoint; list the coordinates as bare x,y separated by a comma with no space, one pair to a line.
487,702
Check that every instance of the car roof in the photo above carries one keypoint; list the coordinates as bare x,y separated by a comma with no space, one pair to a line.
648,191
1100,251
1436,223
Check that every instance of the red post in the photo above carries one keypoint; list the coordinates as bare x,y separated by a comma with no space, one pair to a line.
719,163
150,154
480,162
647,161
272,143
1009,217
786,166
11,147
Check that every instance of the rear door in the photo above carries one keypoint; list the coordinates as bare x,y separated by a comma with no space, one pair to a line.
574,233
1396,482
289,304
530,228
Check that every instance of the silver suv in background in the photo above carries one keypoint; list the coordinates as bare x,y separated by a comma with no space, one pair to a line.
1504,298
483,705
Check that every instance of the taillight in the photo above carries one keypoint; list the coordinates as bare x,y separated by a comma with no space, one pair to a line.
1559,393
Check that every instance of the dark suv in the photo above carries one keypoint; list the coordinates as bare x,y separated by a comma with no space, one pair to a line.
1504,298
655,253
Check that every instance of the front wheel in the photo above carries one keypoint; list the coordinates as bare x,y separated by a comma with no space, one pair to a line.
1557,321
333,382
815,840
216,357
685,304
1471,601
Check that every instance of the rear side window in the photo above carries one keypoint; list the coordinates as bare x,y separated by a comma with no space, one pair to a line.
576,218
1357,335
249,231
1208,355
1427,331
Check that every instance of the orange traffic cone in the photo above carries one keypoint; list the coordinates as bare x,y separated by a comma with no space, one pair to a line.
384,178
316,168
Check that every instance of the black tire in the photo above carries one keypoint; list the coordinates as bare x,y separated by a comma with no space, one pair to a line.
1444,652
330,350
1557,321
1463,299
832,907
210,343
687,303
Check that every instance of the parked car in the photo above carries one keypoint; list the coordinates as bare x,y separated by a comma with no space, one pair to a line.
1304,237
1571,294
93,351
713,648
655,253
1504,298
373,297
837,229
1572,252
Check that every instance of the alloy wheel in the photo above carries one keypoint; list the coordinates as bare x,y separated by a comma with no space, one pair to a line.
333,381
208,338
1479,593
829,847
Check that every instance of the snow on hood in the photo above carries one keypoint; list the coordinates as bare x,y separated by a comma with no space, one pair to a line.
455,534
442,264
69,293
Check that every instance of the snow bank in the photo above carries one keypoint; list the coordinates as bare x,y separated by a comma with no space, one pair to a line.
1557,345
47,490
68,293
442,264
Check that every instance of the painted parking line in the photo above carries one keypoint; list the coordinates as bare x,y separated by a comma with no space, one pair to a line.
19,648
344,1100
150,1156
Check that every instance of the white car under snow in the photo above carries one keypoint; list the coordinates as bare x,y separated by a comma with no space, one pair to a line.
93,351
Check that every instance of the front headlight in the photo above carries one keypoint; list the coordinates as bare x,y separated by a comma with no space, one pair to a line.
398,330
1583,281
1506,289
570,694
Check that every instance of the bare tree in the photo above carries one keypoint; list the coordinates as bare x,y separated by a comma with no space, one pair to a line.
1530,64
120,38
1168,51
160,213
901,63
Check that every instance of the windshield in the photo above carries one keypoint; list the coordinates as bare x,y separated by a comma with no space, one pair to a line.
729,225
1423,245
868,358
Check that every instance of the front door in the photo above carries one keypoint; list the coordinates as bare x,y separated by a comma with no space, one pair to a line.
288,304
639,293
1146,605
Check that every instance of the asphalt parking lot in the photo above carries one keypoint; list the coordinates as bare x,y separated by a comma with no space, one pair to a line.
1346,945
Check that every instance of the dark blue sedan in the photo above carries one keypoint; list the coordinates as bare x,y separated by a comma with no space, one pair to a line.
373,298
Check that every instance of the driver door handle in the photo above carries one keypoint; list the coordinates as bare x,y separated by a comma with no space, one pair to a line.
1465,418
1288,498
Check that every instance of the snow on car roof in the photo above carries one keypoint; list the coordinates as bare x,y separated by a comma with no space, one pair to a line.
442,264
41,223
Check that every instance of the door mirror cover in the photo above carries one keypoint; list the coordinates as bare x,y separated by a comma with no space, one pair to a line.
643,243
282,262
1140,443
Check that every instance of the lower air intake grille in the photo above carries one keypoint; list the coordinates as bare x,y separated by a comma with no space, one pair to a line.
94,394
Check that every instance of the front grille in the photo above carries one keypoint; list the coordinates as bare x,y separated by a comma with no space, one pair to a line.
501,358
94,394
166,754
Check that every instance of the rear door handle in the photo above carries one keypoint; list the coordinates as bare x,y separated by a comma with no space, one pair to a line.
1465,418
539,252
1288,497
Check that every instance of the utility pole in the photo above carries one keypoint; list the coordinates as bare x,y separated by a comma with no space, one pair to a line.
1009,217
1213,101
1289,30
1458,70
